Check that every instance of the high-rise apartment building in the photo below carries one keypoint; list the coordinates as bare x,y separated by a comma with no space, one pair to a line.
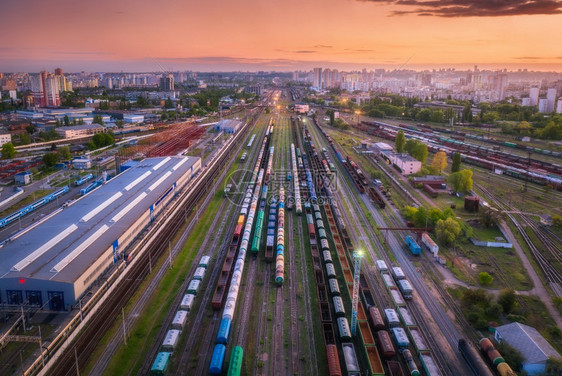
317,78
534,95
499,83
45,88
550,99
167,83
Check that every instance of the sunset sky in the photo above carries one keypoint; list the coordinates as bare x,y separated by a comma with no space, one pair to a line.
142,35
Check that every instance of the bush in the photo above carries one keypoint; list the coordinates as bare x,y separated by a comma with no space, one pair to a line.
485,278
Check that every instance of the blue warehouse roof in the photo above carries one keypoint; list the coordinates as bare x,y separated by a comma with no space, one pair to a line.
64,246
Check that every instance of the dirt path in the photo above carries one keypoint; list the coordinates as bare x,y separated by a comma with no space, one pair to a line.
538,289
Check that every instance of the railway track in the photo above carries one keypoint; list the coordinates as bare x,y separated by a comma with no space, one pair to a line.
77,353
365,233
552,275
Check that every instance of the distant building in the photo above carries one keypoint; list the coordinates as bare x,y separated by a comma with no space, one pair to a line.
559,106
82,163
526,101
301,108
5,138
317,78
534,95
45,88
531,344
407,164
253,89
79,130
543,105
23,178
551,99
133,118
167,83
499,83
228,126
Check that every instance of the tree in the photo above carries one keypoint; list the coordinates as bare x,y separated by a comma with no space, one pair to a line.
400,142
456,162
168,103
511,355
447,230
30,129
25,139
102,139
553,367
524,128
508,300
485,278
98,119
439,161
50,159
64,153
8,151
66,120
416,149
461,181
489,216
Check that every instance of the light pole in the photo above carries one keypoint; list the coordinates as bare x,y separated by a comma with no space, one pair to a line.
357,256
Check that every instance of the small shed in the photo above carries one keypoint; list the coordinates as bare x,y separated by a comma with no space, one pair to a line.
23,178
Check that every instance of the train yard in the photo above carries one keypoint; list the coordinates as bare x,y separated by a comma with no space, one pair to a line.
302,265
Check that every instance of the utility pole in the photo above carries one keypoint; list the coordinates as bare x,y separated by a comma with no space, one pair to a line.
355,300
124,328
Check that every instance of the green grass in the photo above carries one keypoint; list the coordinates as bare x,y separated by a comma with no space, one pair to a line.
26,201
129,357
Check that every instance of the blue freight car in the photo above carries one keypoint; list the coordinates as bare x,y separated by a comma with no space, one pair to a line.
217,359
224,331
161,363
414,247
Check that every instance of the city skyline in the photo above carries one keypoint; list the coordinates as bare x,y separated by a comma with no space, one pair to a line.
249,35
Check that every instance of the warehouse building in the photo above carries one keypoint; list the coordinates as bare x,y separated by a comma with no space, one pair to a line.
228,126
531,344
54,264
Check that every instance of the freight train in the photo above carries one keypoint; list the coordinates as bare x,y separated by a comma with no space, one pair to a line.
535,171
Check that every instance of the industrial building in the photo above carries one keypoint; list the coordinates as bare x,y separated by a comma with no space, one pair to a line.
407,164
79,130
54,264
228,126
531,344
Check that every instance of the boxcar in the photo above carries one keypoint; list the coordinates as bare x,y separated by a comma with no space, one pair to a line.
334,287
235,364
179,320
385,344
376,318
199,273
161,363
171,339
343,327
330,270
224,331
187,302
193,286
204,262
338,306
215,368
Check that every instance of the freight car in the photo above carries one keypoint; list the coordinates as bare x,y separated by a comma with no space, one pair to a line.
343,328
215,368
350,357
409,359
405,288
376,318
474,360
338,306
334,368
375,195
412,245
161,363
385,344
400,337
